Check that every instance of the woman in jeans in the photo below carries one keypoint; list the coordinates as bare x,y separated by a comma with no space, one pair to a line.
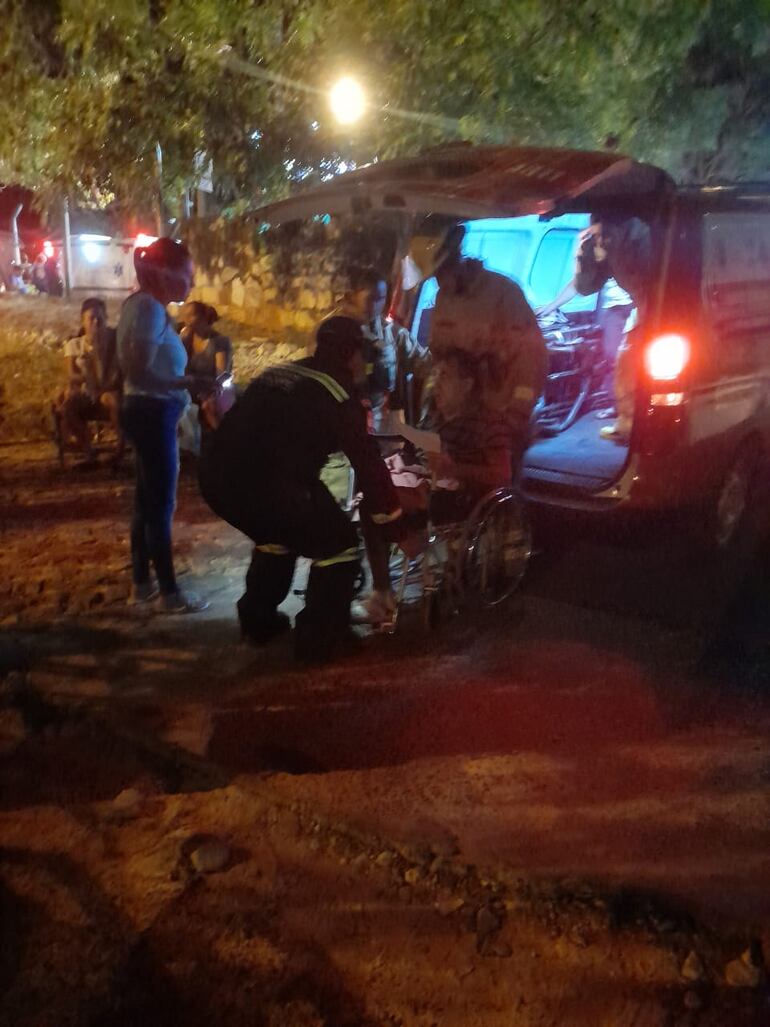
153,360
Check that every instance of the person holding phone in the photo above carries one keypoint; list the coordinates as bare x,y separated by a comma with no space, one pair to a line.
615,248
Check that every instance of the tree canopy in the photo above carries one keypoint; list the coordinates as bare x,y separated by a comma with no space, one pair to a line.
93,86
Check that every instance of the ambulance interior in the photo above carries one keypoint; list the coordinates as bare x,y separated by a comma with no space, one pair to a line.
568,446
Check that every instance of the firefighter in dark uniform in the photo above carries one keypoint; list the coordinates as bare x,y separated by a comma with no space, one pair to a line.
260,472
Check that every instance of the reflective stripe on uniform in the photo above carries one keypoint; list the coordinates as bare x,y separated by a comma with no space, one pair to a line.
272,549
330,384
387,518
346,556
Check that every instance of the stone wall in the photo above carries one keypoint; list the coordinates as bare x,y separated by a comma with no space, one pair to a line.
283,282
271,289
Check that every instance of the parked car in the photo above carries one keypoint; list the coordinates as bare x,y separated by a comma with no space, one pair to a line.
700,439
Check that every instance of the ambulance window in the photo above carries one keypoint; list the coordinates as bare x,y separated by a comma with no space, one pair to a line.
554,264
506,252
423,313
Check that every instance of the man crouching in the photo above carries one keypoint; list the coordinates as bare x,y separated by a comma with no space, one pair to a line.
261,472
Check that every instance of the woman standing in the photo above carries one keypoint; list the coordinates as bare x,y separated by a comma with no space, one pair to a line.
153,359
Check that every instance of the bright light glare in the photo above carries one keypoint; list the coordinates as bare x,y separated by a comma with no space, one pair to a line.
145,240
666,357
667,399
92,252
347,101
48,248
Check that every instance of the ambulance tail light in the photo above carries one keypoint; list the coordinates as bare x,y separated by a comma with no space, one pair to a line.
666,357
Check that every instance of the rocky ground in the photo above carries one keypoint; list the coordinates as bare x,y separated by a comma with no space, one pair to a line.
554,816
524,822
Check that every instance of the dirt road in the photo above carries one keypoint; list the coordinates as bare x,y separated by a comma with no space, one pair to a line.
532,820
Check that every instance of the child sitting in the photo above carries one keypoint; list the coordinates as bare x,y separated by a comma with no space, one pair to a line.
475,458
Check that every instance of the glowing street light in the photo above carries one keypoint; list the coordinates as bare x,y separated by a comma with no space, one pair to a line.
347,101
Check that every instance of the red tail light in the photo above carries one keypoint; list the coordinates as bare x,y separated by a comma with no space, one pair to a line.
666,357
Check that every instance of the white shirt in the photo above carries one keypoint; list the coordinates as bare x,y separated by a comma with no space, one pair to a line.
98,371
614,296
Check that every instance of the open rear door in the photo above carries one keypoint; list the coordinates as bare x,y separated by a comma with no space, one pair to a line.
466,182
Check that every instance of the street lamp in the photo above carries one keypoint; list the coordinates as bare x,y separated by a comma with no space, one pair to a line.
347,101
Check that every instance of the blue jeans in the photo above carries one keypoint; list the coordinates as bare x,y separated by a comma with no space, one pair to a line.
150,425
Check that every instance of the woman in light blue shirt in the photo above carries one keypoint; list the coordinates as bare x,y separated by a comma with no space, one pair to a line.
152,358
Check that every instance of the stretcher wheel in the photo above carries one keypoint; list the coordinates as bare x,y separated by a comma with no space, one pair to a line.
497,552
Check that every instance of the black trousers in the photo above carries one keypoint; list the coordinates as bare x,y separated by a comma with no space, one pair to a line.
286,519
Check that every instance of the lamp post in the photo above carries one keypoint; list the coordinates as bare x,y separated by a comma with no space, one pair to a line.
15,232
67,249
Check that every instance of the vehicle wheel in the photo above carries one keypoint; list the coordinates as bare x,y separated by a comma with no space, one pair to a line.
729,509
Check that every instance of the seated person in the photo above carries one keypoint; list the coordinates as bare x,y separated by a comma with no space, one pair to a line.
209,353
476,457
94,388
209,359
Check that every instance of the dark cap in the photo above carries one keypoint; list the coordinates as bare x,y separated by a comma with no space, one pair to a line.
339,338
162,253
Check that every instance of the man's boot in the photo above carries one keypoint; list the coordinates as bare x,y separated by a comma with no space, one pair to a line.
325,621
268,581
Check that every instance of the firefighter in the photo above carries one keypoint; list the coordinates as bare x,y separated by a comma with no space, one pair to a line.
486,315
260,472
